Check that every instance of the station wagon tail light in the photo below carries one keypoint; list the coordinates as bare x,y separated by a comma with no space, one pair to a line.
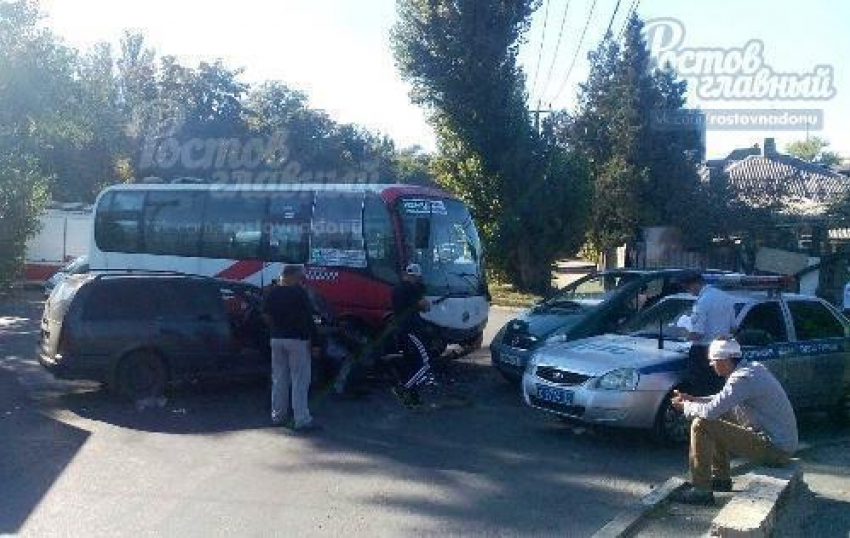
620,379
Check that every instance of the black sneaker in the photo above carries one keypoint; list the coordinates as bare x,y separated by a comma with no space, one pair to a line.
407,397
692,495
721,484
415,399
308,428
281,423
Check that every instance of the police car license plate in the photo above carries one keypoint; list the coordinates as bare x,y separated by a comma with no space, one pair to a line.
508,358
553,395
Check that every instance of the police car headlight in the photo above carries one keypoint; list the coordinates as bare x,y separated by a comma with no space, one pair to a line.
620,379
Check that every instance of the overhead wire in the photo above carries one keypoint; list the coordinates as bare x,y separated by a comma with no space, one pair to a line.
557,48
629,14
578,49
611,22
540,52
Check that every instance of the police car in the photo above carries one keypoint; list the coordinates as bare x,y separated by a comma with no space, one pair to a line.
592,305
626,379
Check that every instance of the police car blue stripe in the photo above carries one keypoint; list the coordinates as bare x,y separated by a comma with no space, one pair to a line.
808,348
669,366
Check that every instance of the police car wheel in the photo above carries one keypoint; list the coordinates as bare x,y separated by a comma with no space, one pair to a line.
671,426
513,380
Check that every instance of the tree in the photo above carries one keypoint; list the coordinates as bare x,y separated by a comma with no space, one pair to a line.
814,150
645,173
414,166
34,81
461,60
23,193
316,147
100,153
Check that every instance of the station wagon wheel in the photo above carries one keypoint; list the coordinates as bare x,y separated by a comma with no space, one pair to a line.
841,410
141,374
671,426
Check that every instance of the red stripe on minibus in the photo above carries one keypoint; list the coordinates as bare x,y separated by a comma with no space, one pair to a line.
241,270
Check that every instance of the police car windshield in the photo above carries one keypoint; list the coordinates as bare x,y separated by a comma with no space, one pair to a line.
663,317
590,291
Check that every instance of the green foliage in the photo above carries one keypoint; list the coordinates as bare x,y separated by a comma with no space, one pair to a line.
643,174
73,122
461,60
414,167
318,148
839,211
28,119
814,150
23,194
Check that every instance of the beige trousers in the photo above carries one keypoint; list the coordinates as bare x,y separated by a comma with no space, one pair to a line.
712,441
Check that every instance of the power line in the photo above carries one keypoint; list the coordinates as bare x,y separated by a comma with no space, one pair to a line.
631,12
540,52
578,49
557,48
611,22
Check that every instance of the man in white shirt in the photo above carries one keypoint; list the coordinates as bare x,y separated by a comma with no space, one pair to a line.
713,316
757,423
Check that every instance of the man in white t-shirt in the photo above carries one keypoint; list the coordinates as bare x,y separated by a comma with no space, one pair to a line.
713,316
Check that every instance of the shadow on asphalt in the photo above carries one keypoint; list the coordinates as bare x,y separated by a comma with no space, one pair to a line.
822,516
208,407
494,465
34,452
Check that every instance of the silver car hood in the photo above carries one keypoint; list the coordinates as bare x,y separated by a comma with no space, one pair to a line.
598,355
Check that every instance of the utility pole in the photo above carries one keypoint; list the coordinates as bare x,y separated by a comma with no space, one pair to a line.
537,112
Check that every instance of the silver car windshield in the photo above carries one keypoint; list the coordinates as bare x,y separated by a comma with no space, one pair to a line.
590,292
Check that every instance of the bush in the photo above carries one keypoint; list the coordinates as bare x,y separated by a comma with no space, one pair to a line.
23,194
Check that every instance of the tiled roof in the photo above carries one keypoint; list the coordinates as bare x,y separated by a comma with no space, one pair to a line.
801,187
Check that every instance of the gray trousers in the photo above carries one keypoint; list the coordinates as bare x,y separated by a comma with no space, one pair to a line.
290,380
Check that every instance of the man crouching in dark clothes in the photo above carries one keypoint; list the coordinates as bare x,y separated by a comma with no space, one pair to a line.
408,301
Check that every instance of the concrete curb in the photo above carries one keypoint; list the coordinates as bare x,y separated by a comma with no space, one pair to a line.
752,511
627,520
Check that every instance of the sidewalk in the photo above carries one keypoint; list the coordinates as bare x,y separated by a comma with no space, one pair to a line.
824,509
819,505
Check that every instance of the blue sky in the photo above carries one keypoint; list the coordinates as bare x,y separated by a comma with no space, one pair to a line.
337,51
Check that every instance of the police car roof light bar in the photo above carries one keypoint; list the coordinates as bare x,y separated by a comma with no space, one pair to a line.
751,282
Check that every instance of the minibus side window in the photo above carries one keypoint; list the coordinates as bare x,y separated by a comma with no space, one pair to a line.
233,225
379,236
118,222
338,230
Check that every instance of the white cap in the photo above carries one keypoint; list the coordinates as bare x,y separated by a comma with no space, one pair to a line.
724,348
413,269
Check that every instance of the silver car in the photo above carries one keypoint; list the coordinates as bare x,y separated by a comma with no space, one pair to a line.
626,379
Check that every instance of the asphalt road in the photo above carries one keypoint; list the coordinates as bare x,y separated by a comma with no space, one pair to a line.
75,461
